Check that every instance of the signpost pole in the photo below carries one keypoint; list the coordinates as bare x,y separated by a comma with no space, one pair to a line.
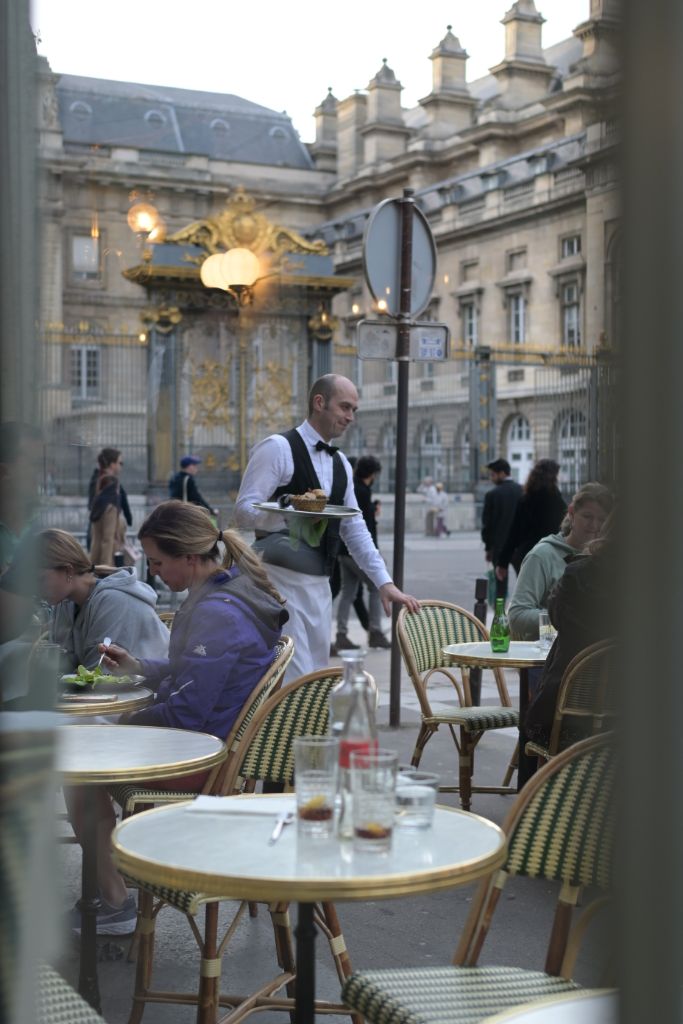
402,356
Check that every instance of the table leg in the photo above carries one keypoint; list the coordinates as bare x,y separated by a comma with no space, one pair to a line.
305,965
89,903
527,765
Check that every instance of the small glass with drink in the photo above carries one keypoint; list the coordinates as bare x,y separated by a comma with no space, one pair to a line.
316,773
415,798
546,631
373,782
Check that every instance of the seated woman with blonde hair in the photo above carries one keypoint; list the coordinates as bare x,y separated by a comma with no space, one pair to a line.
91,602
223,640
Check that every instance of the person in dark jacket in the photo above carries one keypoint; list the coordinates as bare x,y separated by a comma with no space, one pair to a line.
500,504
183,485
583,611
223,640
540,510
367,468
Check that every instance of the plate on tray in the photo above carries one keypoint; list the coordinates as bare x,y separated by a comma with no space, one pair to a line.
329,512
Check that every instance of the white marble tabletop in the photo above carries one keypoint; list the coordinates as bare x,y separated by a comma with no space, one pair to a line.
92,753
522,654
224,852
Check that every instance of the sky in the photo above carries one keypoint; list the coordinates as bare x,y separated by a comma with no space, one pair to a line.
281,55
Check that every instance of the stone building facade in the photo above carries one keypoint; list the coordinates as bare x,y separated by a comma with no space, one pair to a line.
516,173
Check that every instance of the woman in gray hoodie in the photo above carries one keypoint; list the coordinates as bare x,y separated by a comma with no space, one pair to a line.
91,602
547,560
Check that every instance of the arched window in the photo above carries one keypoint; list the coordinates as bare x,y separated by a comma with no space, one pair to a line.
81,110
155,119
520,448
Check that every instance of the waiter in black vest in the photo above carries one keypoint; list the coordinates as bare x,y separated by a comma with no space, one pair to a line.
292,463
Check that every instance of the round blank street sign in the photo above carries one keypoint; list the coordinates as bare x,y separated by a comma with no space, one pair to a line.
382,257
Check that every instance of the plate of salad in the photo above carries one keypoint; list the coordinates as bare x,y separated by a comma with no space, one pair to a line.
87,678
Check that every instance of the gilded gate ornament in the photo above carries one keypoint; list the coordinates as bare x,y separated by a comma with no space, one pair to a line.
210,396
239,225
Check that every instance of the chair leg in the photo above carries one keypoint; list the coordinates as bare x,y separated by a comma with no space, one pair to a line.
284,947
145,957
512,766
210,969
253,909
425,734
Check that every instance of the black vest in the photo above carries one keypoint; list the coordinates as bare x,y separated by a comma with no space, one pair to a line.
304,479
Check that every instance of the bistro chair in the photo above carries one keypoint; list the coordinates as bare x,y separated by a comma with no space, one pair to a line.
266,754
58,1003
585,700
560,829
132,797
421,637
167,618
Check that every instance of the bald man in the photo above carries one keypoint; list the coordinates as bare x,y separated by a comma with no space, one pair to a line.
292,463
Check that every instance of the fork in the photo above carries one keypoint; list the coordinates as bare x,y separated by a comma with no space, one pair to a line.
106,642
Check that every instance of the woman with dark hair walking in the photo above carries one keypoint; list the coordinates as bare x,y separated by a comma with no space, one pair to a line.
539,512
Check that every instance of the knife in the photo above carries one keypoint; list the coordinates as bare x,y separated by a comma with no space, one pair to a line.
284,818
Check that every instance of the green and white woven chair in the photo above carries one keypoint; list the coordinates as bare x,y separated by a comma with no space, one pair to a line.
586,700
421,637
132,797
266,754
560,829
58,1003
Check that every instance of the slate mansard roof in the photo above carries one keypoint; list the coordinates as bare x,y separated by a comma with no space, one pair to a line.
96,112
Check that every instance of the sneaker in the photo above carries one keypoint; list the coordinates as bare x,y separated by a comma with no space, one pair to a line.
377,639
111,920
342,643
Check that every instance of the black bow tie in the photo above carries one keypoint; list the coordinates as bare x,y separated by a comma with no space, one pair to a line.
320,446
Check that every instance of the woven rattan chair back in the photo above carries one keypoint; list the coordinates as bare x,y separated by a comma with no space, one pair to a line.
421,637
267,750
266,686
586,699
560,829
167,618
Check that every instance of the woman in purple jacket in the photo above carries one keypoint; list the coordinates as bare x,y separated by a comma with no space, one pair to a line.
222,642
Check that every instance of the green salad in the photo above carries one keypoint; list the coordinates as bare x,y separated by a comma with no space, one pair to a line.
92,676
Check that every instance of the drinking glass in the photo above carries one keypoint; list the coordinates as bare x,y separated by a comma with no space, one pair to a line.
316,774
546,631
415,798
373,783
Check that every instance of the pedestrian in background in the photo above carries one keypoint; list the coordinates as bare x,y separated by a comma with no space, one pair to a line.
440,508
539,512
367,468
500,504
428,492
183,487
109,461
107,524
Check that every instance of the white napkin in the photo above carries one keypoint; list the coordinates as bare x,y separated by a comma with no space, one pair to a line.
268,806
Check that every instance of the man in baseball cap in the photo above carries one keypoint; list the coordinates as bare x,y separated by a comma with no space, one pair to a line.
183,487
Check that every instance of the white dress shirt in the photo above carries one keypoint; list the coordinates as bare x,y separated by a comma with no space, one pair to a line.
271,465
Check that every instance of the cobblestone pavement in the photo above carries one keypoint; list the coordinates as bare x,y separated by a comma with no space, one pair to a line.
411,931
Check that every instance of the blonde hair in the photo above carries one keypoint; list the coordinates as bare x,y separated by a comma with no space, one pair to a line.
180,528
58,549
589,492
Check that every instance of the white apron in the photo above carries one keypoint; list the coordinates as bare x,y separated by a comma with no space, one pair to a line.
309,603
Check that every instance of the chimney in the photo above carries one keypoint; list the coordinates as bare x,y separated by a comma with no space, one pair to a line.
384,134
351,114
449,106
324,149
523,76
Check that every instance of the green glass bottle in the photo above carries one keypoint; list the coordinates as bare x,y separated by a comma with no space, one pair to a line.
500,629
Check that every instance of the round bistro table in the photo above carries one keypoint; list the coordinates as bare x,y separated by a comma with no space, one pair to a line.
89,755
183,848
106,699
522,654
